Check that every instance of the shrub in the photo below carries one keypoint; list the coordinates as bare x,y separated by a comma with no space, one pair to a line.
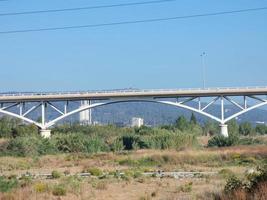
257,178
117,145
261,129
221,141
233,184
23,146
163,139
95,144
73,184
186,188
253,188
73,142
25,131
59,190
129,141
95,171
41,187
7,185
245,128
56,174
79,142
250,141
29,146
25,181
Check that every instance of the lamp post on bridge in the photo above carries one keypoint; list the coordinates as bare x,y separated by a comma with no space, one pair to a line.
203,69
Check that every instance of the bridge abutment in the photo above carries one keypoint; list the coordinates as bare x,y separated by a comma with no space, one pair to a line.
45,133
224,130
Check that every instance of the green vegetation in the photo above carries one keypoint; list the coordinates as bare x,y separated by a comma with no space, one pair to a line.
59,190
7,185
252,187
94,171
56,174
23,140
221,141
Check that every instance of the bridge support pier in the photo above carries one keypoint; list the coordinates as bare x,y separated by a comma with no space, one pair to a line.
224,130
45,133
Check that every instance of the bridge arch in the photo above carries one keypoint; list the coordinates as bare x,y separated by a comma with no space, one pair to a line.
179,105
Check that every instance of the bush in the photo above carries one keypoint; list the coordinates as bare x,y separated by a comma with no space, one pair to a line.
25,181
6,185
73,142
245,128
221,141
41,187
73,184
59,190
186,188
25,131
24,146
250,141
233,184
255,186
129,141
29,146
261,129
94,171
56,174
79,142
117,145
163,139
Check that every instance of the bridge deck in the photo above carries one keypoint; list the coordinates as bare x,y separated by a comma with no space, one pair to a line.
97,95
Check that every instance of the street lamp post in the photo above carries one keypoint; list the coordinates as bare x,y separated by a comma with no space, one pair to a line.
203,69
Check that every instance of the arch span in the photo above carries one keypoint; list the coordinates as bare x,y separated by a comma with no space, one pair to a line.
179,105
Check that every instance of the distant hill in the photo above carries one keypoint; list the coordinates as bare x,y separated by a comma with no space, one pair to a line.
157,114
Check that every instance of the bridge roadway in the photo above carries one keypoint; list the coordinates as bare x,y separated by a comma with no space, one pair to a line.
105,95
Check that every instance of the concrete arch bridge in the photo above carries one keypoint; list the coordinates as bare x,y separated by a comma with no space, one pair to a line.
21,105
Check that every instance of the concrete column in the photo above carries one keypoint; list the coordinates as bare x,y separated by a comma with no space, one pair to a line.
224,130
45,133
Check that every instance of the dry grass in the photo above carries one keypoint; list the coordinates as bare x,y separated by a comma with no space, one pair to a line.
132,189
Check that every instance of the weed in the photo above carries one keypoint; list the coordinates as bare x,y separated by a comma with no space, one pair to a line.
7,185
59,190
41,187
94,171
186,188
56,174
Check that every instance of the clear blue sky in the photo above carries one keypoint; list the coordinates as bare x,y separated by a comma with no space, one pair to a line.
151,55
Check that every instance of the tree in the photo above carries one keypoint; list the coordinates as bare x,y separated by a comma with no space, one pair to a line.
7,124
182,123
193,119
233,127
245,128
210,128
261,129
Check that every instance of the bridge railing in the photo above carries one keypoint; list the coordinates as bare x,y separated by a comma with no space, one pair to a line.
128,91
